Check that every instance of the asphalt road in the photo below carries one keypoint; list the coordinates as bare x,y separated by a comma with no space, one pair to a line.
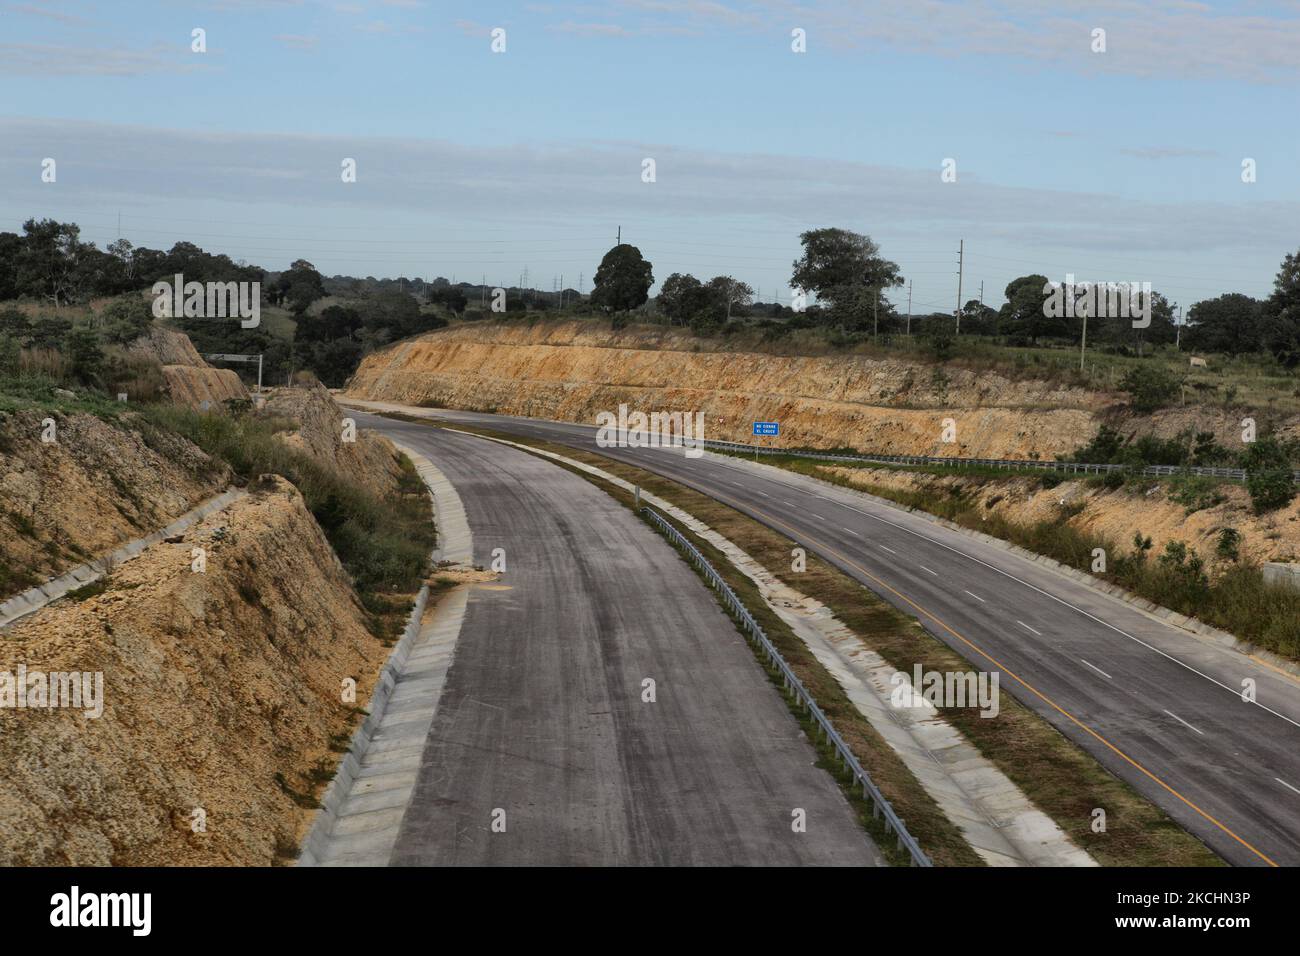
1158,707
542,715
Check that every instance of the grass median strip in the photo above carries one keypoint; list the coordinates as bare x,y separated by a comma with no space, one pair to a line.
1060,778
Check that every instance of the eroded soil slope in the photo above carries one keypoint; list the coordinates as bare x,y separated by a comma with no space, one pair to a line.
572,370
1151,508
370,461
222,690
96,486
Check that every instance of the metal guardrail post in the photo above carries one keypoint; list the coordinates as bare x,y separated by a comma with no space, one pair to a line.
879,805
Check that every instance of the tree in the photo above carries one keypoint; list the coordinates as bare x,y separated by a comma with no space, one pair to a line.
1151,388
978,318
730,292
1229,324
300,286
15,325
837,264
1280,321
623,280
125,319
50,261
10,248
1023,316
85,356
682,298
1268,474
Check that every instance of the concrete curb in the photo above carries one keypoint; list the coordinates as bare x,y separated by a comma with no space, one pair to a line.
357,825
38,597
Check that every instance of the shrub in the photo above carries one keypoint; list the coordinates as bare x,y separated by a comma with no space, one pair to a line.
1151,388
1268,475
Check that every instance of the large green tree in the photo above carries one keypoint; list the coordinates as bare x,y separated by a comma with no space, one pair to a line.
1228,324
1280,322
623,280
1024,316
838,265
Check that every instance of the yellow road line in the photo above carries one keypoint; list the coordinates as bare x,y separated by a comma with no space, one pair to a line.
796,534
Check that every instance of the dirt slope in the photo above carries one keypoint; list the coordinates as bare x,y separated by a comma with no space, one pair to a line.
169,347
1117,514
215,683
371,460
94,488
189,379
191,386
572,370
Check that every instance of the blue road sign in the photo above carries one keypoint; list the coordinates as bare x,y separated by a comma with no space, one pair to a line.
767,428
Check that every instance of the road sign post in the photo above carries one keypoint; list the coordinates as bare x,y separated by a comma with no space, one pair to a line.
765,428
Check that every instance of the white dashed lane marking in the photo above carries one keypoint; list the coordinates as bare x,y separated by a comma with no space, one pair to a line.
1098,670
1183,722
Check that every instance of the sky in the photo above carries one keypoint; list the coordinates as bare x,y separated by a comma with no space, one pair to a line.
1115,164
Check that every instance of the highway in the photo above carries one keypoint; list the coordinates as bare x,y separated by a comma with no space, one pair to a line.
1157,706
543,750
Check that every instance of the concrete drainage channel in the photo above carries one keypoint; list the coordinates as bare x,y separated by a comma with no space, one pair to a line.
38,597
362,809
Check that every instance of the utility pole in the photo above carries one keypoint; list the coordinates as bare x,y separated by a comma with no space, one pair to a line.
981,293
619,240
909,307
561,290
961,263
1083,342
1178,330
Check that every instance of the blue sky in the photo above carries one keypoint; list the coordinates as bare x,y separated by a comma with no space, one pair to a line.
1122,166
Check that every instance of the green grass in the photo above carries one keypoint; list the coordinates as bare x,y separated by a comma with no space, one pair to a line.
384,543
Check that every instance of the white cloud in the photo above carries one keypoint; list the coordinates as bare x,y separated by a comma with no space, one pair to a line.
37,59
588,180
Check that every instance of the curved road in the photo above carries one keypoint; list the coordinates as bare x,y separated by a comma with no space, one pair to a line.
1157,706
542,716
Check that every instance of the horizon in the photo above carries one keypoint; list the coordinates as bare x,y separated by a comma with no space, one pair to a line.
463,170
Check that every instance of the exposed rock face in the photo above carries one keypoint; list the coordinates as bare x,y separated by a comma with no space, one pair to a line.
189,379
370,461
570,371
169,347
92,489
222,690
187,385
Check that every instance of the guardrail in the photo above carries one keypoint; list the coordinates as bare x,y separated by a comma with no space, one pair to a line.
879,805
1011,464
